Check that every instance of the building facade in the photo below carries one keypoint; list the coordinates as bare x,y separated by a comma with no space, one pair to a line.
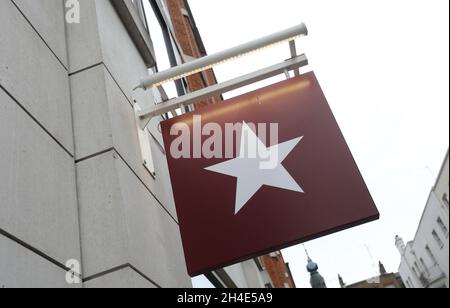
247,274
316,280
384,281
425,260
81,187
278,270
191,47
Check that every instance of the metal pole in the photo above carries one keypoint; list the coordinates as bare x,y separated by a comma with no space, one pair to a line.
293,49
207,62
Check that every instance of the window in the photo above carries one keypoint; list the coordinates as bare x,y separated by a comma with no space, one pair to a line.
259,264
442,226
416,269
430,254
445,200
163,43
408,284
437,239
424,266
411,285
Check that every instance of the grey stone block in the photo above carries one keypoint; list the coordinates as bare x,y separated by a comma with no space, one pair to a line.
33,75
37,185
104,234
91,112
123,60
103,118
21,268
123,224
83,40
154,235
47,17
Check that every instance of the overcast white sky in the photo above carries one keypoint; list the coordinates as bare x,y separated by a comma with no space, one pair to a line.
383,66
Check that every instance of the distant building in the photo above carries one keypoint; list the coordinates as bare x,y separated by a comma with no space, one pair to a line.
317,281
384,281
278,270
247,274
425,260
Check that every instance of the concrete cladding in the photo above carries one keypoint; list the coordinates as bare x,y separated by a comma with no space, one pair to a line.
72,181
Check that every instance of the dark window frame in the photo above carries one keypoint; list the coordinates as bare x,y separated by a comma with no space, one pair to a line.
169,46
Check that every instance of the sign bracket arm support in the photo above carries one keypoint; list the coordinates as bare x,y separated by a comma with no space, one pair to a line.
236,83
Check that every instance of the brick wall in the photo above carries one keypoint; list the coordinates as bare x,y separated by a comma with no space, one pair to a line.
278,270
192,47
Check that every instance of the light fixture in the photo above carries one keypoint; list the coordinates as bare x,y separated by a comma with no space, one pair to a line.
205,63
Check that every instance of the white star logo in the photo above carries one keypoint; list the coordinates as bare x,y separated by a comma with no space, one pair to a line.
247,169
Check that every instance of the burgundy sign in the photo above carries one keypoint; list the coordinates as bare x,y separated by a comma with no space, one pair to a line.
262,172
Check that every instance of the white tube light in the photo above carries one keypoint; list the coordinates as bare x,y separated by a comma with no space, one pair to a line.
205,63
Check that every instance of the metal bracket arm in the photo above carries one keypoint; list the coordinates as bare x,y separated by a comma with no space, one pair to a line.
191,98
